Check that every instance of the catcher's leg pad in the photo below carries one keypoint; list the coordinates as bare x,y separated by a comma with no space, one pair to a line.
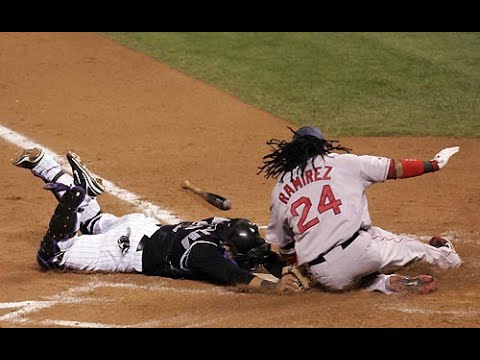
62,226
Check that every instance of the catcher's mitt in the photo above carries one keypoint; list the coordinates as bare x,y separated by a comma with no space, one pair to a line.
301,273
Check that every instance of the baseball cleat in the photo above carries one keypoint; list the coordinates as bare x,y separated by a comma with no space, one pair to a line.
421,284
92,184
28,158
438,241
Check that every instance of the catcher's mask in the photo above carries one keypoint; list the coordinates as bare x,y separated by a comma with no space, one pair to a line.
242,237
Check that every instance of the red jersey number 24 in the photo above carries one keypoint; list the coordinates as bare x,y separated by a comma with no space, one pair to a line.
327,202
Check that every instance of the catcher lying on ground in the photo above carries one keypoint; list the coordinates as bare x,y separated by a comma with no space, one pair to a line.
219,250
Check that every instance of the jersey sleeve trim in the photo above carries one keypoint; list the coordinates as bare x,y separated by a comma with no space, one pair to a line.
184,258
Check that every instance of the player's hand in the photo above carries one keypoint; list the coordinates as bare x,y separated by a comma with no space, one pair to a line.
288,283
442,157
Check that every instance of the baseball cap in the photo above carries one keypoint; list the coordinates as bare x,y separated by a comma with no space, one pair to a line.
307,130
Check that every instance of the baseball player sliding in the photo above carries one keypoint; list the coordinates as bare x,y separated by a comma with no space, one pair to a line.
218,250
319,215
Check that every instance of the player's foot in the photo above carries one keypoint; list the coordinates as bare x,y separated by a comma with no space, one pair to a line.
92,184
438,241
28,158
421,284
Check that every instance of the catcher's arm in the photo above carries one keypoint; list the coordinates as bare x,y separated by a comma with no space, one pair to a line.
293,279
287,283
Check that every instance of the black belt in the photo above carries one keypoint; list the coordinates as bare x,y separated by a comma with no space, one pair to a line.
320,259
145,238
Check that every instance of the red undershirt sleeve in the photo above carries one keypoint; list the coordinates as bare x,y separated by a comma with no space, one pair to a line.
407,168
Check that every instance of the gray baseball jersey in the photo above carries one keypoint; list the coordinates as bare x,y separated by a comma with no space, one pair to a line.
325,206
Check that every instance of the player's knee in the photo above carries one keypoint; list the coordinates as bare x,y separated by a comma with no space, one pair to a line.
71,200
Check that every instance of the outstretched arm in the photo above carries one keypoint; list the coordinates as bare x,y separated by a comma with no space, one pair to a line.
406,168
208,264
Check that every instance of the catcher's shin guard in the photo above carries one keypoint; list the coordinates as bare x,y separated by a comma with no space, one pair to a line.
62,226
64,220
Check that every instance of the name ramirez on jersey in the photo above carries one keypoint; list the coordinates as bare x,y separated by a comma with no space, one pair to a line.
298,182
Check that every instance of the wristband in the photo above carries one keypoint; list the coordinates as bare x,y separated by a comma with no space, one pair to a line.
411,168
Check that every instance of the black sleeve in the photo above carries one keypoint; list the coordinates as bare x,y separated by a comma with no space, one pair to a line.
274,263
206,262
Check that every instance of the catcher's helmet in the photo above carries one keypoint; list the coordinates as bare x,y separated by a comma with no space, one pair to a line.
242,234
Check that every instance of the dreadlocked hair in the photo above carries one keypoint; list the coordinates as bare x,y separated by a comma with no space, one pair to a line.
287,156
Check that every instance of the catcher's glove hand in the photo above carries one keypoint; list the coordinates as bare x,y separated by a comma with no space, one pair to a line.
301,273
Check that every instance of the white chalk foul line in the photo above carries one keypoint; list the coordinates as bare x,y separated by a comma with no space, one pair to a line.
424,311
152,210
146,207
74,296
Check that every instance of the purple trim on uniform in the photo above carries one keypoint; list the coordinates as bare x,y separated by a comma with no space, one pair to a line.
56,186
225,255
308,130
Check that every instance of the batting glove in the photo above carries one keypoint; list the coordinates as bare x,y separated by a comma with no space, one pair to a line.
442,157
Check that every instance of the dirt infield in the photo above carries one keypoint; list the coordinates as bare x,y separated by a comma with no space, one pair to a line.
146,128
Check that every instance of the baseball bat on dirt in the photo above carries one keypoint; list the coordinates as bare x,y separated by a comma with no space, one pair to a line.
214,199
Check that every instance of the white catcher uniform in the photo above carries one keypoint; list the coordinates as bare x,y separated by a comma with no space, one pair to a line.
104,250
327,207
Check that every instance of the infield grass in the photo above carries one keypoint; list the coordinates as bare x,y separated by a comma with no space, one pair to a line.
359,84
